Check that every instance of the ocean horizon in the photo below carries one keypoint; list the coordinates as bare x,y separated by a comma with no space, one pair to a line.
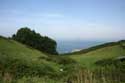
70,46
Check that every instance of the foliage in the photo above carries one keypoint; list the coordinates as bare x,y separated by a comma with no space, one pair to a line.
35,40
37,80
59,59
18,61
117,67
21,64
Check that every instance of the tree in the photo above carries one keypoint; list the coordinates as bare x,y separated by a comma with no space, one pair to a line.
35,40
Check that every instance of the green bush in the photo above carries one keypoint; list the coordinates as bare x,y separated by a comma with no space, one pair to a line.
35,40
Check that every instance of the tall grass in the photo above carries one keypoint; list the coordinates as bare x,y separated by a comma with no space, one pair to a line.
20,64
105,74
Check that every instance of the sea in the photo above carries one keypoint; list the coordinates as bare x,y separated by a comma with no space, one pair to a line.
66,46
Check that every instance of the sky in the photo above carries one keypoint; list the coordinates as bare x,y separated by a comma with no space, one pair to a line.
65,19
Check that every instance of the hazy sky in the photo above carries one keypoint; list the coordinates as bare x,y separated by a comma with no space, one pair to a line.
65,19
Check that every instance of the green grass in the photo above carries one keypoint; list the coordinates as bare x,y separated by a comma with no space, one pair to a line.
15,50
18,59
37,80
88,59
23,64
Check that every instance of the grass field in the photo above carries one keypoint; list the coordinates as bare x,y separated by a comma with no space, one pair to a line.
88,59
14,56
22,64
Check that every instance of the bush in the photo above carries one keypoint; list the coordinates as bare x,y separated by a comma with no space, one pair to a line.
35,40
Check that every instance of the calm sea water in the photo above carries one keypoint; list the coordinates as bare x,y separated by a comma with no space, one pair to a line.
69,46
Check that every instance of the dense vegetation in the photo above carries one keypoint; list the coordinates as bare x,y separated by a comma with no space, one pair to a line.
20,63
35,40
101,64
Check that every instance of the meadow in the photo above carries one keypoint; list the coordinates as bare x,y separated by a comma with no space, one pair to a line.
23,64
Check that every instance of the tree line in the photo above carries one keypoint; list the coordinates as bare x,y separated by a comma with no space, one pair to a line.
35,40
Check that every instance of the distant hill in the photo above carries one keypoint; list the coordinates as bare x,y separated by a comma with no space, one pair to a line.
81,51
104,51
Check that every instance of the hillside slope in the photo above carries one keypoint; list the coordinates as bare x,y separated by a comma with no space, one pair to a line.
18,61
22,64
89,56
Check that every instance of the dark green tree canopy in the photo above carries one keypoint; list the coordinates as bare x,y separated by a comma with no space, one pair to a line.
35,40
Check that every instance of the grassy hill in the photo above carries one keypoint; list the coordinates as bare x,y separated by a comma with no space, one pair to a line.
22,64
18,61
101,63
89,56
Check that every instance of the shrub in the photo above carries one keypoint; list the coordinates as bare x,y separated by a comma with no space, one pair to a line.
35,40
